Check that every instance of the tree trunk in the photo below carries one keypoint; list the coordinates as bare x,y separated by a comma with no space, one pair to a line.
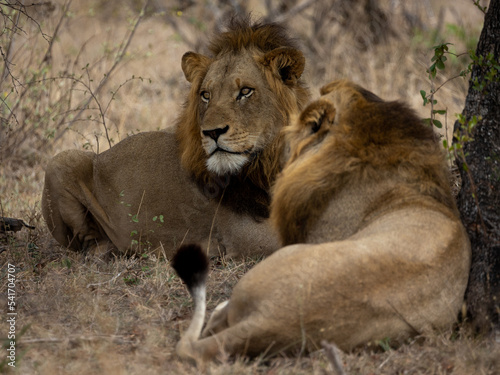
479,198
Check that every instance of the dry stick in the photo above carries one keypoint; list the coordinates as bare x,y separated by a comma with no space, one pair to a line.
183,238
118,59
386,360
333,355
6,57
48,53
116,338
106,282
127,268
213,221
292,12
25,91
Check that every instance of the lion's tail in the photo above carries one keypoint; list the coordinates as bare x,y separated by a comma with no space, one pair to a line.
191,264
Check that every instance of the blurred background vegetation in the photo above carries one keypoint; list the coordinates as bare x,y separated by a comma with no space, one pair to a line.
86,74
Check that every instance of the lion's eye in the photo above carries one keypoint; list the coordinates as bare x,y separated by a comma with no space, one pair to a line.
205,96
245,92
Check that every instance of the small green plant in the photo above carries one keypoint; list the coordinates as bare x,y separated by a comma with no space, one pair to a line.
488,63
462,136
131,280
482,9
66,262
464,132
438,64
385,344
159,218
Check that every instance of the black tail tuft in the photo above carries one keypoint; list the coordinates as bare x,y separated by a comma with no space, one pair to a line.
191,264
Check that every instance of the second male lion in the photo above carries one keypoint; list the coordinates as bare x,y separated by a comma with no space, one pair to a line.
376,247
157,189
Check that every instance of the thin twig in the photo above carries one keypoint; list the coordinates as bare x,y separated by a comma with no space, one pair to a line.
385,360
48,53
213,221
115,338
118,59
106,282
292,12
333,355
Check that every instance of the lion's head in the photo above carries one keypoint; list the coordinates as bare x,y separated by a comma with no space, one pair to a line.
241,95
350,139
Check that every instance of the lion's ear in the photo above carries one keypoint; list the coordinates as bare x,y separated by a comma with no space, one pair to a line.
318,114
194,64
288,63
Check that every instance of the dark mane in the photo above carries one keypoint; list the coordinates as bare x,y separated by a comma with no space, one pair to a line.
242,33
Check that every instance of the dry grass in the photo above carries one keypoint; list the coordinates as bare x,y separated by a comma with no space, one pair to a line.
82,315
86,316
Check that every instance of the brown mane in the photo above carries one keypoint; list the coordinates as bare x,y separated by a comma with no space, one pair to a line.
246,192
374,141
243,34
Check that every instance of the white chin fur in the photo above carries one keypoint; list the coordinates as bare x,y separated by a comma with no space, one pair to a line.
222,163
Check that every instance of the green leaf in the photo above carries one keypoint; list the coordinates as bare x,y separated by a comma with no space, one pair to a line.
437,123
439,111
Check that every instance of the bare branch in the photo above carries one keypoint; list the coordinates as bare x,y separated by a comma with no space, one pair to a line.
333,355
283,17
117,61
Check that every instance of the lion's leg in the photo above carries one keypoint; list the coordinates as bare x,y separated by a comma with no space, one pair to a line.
65,203
250,337
217,321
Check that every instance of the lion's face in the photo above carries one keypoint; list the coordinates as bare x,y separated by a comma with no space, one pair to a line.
239,102
242,94
236,109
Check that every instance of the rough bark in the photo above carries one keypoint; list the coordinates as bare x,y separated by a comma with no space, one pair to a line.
479,198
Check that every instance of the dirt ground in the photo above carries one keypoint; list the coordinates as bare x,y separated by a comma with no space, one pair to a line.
81,315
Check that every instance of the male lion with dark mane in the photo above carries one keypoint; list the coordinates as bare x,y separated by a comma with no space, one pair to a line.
376,246
157,189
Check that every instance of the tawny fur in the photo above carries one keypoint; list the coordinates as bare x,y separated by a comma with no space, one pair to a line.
381,251
116,199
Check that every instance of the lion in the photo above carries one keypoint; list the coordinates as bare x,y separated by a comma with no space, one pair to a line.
207,179
375,248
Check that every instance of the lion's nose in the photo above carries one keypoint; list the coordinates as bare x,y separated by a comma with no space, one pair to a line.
215,133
